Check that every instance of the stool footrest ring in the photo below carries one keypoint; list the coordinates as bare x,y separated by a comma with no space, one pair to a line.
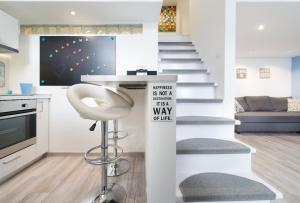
122,134
100,161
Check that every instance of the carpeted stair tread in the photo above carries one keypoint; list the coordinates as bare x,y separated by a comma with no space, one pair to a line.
177,51
196,84
195,100
184,71
181,60
203,120
210,146
175,43
213,187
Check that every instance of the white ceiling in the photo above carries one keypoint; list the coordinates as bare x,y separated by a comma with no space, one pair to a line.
281,36
87,12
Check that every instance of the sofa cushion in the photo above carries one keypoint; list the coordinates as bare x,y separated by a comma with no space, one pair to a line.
268,117
279,104
243,103
238,107
294,105
260,103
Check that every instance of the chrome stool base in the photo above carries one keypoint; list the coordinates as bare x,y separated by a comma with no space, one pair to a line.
118,168
113,194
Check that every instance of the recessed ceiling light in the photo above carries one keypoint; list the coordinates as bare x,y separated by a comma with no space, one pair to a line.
88,31
73,13
261,27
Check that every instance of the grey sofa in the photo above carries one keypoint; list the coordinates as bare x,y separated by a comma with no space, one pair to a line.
266,114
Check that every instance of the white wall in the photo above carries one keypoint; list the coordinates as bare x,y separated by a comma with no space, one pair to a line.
183,17
208,34
279,85
213,33
295,77
68,132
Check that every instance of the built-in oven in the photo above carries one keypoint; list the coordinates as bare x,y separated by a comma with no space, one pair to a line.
17,125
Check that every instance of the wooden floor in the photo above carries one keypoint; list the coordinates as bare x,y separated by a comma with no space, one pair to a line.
66,179
277,160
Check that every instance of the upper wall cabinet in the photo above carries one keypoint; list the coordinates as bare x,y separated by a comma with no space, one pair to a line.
9,33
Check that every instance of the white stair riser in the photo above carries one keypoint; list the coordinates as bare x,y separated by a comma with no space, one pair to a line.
199,109
201,77
176,47
204,131
220,163
174,38
179,56
196,92
180,65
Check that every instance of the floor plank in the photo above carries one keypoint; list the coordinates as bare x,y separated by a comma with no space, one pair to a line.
277,160
66,179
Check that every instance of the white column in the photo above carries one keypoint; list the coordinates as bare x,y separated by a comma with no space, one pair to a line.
161,143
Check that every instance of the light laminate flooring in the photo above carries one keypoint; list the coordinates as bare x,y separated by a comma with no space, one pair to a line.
277,160
66,179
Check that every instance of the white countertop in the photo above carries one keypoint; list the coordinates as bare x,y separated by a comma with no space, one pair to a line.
15,97
129,78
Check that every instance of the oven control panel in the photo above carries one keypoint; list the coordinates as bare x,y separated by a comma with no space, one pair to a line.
17,105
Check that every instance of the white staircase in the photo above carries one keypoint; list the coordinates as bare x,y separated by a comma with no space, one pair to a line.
211,165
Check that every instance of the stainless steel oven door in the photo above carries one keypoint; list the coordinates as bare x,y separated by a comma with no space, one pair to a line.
17,132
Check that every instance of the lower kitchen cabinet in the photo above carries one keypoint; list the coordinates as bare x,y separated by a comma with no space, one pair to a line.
15,162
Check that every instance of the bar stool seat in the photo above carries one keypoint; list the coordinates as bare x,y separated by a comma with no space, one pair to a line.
108,104
111,103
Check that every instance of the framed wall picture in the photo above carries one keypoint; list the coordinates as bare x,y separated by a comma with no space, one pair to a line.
264,73
63,59
167,20
241,73
2,75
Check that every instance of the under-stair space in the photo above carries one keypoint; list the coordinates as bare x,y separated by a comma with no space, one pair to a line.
211,165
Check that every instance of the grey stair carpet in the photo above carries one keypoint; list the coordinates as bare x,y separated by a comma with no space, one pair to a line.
203,120
209,187
175,43
210,146
196,84
192,100
184,71
181,60
175,51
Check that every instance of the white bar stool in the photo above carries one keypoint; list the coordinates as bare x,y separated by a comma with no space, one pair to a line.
121,166
111,104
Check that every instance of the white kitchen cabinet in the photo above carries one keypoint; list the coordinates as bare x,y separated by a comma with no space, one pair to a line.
10,31
8,164
42,123
15,162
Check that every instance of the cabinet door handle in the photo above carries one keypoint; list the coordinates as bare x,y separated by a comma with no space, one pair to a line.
14,159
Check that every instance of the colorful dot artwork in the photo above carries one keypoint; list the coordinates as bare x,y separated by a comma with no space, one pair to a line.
63,59
167,21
